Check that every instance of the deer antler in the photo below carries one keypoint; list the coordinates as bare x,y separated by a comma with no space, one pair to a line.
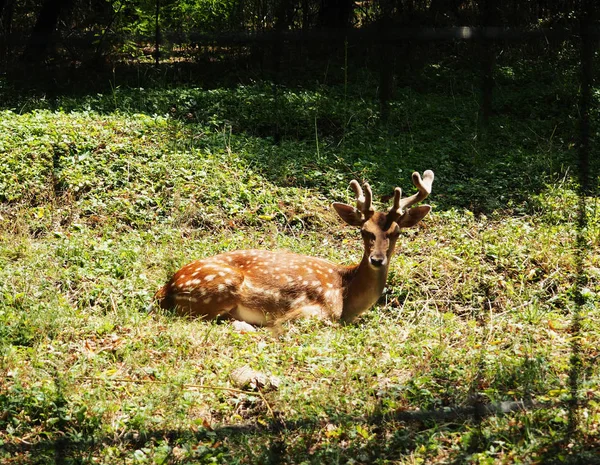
424,187
364,201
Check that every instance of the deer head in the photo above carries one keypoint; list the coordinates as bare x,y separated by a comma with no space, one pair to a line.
381,230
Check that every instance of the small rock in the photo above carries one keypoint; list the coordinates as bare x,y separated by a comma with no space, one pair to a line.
246,377
243,327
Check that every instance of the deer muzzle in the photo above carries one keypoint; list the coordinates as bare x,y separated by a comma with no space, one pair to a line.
377,260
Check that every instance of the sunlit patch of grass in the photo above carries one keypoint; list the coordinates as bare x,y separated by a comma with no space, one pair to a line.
478,307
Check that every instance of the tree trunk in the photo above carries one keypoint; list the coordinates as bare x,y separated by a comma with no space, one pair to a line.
489,18
335,14
444,11
41,36
386,58
3,4
283,19
6,15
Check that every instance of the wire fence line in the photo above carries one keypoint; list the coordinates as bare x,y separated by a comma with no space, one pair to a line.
275,49
162,43
370,34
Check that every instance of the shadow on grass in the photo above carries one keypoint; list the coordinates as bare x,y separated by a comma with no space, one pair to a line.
365,439
307,132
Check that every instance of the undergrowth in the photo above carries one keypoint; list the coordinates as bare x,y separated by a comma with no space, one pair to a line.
490,303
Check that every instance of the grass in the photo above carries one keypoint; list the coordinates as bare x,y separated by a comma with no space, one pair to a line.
103,197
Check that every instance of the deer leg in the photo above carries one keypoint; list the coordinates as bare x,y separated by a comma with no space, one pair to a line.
306,311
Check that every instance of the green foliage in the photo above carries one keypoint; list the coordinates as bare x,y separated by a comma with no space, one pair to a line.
204,15
101,198
139,16
319,137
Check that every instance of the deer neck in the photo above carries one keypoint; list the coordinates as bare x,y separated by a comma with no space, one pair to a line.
363,285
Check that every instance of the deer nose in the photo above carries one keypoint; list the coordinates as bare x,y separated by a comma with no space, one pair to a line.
377,262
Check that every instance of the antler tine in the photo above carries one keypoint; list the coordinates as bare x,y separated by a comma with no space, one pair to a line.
360,197
424,187
368,206
396,210
364,201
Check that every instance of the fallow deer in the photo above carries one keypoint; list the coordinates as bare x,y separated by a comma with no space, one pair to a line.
262,287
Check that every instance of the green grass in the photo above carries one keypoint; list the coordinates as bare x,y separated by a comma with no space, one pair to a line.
101,199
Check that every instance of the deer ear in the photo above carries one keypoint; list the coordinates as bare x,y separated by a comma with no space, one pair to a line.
349,214
413,215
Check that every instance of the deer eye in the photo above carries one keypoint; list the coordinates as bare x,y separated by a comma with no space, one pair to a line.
368,235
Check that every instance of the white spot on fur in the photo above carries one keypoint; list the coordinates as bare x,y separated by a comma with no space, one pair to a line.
210,277
247,283
298,301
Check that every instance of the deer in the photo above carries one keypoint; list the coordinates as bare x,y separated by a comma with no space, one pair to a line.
261,287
